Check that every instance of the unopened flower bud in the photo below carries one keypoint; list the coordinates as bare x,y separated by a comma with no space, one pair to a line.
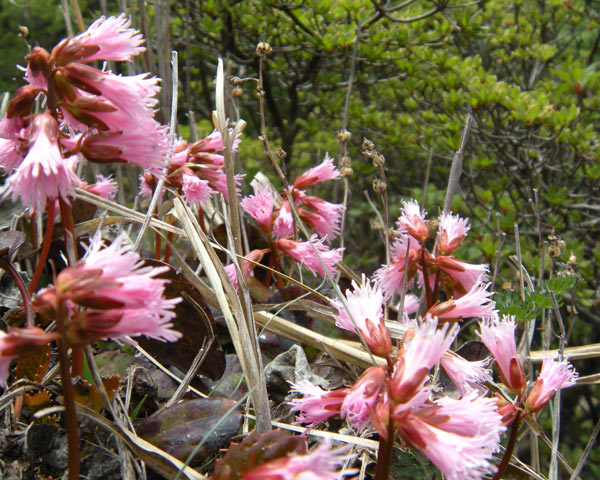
263,48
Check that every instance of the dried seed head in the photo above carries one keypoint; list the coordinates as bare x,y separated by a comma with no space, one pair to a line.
376,224
344,136
345,161
367,145
22,31
346,171
263,48
280,154
379,186
237,92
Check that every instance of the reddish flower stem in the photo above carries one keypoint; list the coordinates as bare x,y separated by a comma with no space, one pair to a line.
385,452
426,278
69,398
170,236
510,447
157,245
39,268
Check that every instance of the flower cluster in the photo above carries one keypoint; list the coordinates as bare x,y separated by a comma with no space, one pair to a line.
110,293
276,220
91,114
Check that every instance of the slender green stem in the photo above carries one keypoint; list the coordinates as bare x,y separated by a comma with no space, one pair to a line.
69,398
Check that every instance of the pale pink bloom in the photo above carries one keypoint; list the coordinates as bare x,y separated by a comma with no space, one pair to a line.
320,464
214,143
145,189
475,303
362,398
195,189
464,275
459,436
413,221
452,230
284,223
110,39
104,187
20,342
317,405
554,376
304,252
10,157
260,206
467,376
43,174
324,217
146,148
35,79
498,335
422,348
391,277
122,297
135,94
363,312
325,171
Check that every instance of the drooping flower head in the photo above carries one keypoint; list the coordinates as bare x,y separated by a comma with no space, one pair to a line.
554,376
248,266
116,294
466,375
325,171
260,206
362,398
303,253
475,303
391,276
317,405
498,335
43,174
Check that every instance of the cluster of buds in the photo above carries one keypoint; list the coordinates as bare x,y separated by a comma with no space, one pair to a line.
275,219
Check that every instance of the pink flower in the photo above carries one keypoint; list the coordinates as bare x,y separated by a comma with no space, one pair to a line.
324,217
10,157
413,221
255,256
120,297
104,187
260,206
475,303
43,174
362,398
452,231
196,189
317,405
320,464
363,312
463,276
458,436
391,277
109,39
304,252
284,223
499,337
20,342
422,348
554,376
145,148
467,376
325,171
